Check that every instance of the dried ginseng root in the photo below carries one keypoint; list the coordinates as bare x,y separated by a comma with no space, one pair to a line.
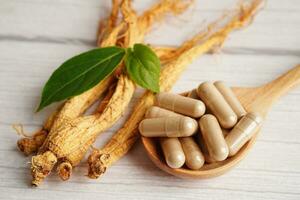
134,34
70,141
123,140
106,27
167,54
64,169
30,144
107,36
76,105
157,13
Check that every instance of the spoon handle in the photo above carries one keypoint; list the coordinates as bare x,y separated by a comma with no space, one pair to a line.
260,99
281,85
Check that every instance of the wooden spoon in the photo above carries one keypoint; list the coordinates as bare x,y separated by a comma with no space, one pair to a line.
257,99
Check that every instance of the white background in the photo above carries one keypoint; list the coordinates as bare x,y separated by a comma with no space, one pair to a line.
36,36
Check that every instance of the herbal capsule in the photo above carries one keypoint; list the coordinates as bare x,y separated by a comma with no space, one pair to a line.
168,127
203,148
213,137
193,94
231,99
155,112
194,158
180,104
216,103
242,132
173,152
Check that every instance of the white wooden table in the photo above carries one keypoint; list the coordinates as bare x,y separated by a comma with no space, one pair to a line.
36,36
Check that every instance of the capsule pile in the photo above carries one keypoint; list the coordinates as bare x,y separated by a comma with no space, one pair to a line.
222,129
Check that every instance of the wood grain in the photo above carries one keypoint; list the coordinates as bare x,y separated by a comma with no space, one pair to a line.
36,36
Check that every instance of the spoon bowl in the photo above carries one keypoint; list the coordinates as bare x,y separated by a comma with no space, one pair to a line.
257,99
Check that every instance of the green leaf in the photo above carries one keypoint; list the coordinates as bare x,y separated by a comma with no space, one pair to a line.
80,73
143,67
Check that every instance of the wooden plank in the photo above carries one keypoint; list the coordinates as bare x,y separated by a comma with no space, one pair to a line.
44,22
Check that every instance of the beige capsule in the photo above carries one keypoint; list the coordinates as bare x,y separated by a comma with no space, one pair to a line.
231,98
173,152
155,112
242,132
180,104
193,94
180,126
216,103
204,149
213,137
203,146
194,158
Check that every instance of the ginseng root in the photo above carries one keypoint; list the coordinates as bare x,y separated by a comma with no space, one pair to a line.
106,27
76,105
133,35
107,35
30,144
70,141
123,140
64,169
